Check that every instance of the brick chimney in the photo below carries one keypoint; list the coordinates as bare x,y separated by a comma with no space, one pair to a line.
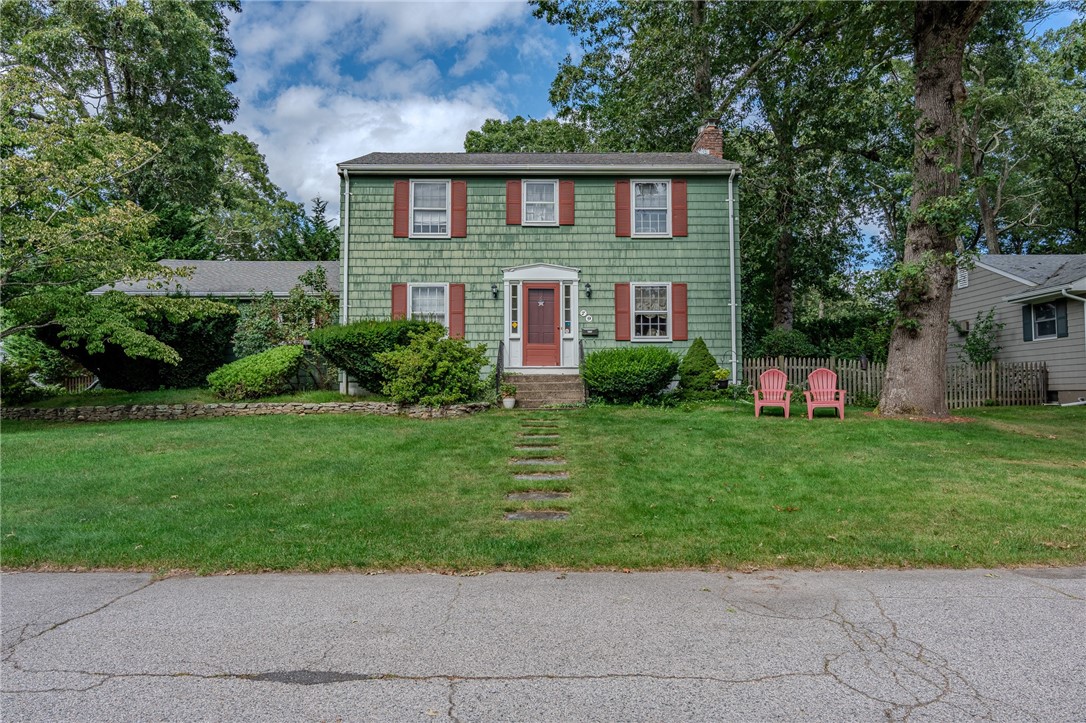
710,140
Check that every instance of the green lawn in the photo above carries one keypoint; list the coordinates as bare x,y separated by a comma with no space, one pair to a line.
699,487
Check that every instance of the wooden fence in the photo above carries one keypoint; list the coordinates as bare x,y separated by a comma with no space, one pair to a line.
78,383
966,385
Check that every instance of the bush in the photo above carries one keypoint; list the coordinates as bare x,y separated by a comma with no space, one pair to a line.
260,375
697,369
785,342
354,347
17,386
268,322
202,342
629,374
434,370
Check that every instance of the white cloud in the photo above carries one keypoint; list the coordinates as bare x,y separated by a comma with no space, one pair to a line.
307,130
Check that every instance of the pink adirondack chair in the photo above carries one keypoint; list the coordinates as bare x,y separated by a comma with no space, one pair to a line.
772,392
822,384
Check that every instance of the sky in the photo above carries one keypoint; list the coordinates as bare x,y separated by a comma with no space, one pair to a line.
324,82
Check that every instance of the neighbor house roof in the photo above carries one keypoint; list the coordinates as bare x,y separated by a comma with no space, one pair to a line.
1045,275
229,279
568,163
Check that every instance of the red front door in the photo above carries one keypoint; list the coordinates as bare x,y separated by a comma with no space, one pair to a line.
542,335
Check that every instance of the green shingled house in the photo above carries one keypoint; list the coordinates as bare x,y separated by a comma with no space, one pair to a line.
545,256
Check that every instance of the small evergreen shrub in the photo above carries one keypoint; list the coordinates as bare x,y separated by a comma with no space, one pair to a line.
629,374
260,375
354,347
697,369
434,370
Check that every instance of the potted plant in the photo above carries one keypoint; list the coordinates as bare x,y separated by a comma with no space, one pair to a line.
509,395
721,377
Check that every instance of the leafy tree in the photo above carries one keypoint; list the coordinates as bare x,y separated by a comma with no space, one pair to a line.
518,135
311,238
269,321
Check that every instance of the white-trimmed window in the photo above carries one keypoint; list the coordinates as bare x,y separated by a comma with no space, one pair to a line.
1044,321
540,203
650,311
651,207
430,209
429,302
514,311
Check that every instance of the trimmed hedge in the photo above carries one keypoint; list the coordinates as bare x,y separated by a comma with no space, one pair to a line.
260,375
353,347
696,369
629,374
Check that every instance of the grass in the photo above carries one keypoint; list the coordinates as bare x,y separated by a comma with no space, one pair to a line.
111,397
705,486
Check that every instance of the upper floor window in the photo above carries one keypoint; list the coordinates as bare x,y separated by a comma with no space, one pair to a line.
430,208
540,203
651,312
651,208
1044,321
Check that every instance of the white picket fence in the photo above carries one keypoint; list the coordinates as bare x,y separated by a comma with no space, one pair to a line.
967,385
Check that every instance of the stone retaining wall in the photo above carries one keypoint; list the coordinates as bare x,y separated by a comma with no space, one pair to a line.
121,412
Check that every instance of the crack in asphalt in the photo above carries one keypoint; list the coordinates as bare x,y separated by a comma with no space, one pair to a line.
924,677
9,651
444,627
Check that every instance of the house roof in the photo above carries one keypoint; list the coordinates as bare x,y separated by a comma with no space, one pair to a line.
230,279
1044,274
570,163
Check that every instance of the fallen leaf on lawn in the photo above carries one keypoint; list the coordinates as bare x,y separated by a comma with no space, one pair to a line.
173,497
831,537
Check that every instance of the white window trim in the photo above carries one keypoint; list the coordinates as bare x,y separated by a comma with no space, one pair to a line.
1055,322
633,313
427,285
448,209
633,208
524,202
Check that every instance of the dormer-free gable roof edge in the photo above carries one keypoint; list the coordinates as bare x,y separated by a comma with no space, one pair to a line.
1005,274
519,163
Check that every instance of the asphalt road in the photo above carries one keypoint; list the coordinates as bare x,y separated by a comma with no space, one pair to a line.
1003,645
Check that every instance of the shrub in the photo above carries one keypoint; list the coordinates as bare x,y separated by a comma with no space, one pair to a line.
434,370
980,342
629,374
268,321
354,347
17,386
697,368
202,341
260,375
785,342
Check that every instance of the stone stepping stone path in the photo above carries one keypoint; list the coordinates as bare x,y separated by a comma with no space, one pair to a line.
539,436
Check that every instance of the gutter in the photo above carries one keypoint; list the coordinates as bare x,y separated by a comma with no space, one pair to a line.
731,268
516,168
345,213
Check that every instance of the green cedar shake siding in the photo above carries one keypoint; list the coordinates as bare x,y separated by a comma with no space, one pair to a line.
700,259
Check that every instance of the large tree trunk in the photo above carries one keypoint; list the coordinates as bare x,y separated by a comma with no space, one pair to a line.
916,368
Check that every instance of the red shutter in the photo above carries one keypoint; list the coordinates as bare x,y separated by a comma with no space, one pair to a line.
401,212
678,312
456,311
399,301
622,210
565,203
678,207
622,312
512,203
459,227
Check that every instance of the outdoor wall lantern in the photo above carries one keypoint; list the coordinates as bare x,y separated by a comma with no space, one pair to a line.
588,290
494,290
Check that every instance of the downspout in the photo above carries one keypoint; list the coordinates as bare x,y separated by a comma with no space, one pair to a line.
731,268
345,213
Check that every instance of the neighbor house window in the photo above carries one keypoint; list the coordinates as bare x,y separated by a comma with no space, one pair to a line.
429,302
1044,321
651,208
430,208
651,312
540,203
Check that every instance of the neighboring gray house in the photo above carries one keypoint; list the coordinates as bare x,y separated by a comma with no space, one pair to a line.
1040,301
238,280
